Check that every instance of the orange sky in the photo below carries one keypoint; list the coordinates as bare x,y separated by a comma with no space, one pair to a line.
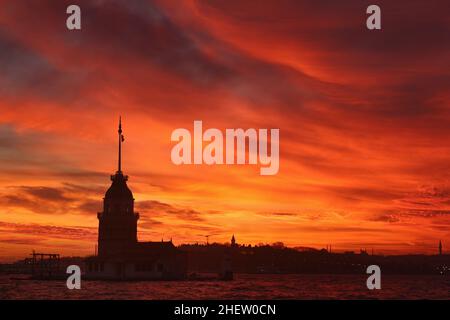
363,118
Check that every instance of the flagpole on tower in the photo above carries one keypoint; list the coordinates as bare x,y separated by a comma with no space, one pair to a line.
120,145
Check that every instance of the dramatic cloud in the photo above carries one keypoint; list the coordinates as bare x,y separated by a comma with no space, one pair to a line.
156,208
363,118
48,230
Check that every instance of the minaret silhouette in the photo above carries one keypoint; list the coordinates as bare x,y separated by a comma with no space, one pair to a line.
117,229
233,241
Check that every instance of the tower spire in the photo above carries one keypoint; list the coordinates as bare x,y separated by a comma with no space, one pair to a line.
119,170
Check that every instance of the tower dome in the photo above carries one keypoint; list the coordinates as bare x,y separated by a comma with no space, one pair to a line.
119,189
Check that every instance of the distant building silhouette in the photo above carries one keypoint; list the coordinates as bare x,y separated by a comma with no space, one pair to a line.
120,255
233,241
440,247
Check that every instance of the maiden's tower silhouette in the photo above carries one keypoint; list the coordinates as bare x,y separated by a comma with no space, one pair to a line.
120,255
